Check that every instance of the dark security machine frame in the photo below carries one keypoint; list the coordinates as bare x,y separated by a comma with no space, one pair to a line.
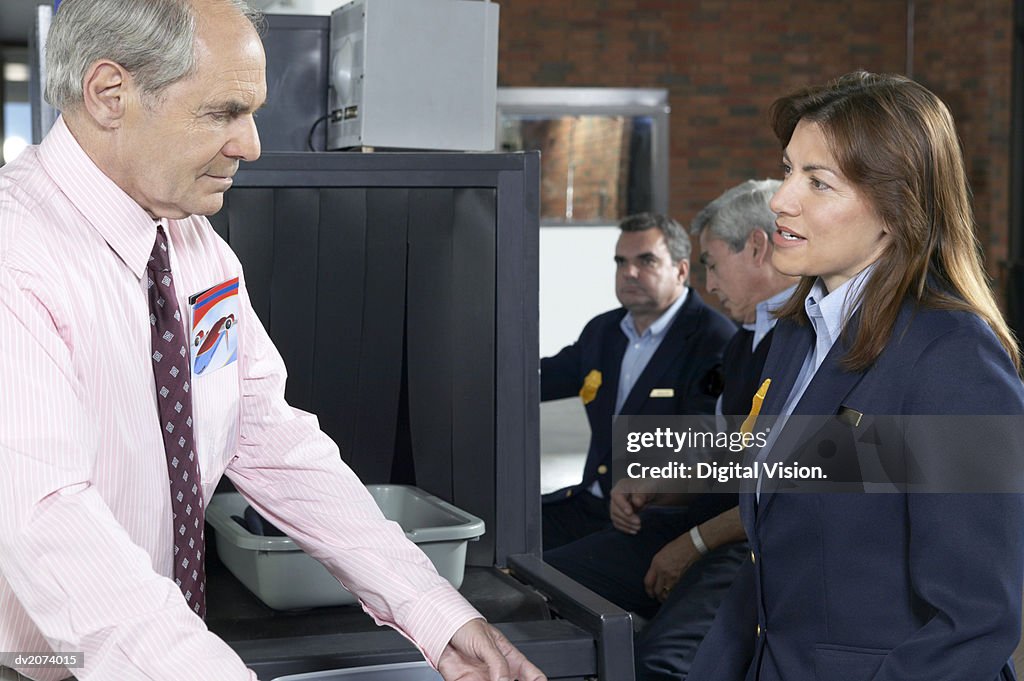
401,290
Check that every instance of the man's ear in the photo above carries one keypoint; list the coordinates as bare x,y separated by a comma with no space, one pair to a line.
757,241
684,270
106,89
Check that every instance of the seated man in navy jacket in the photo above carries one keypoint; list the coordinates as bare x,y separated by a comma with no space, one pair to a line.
676,567
660,353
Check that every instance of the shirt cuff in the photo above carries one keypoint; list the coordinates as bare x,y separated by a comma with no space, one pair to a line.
435,618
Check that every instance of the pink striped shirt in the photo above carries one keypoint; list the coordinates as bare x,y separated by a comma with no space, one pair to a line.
85,516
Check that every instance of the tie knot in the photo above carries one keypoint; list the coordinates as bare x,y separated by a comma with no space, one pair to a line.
160,259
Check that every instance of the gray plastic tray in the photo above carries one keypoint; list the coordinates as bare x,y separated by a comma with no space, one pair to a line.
283,577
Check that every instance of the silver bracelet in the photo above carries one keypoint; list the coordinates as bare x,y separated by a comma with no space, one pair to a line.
698,541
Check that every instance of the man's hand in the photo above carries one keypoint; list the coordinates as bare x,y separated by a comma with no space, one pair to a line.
628,498
669,565
479,652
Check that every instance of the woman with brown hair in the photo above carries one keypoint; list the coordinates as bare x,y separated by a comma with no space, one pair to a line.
893,318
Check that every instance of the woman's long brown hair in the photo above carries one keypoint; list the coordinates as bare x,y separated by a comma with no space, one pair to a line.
897,143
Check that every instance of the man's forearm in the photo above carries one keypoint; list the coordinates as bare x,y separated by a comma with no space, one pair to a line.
724,528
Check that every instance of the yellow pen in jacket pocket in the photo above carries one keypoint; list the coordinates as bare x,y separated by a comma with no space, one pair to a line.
590,385
755,407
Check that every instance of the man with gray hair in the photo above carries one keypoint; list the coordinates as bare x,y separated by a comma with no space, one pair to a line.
657,354
735,232
116,426
676,568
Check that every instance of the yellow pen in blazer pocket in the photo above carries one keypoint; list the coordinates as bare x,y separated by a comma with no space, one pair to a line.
755,407
590,386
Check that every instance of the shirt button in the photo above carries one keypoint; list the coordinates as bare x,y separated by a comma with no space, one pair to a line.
602,469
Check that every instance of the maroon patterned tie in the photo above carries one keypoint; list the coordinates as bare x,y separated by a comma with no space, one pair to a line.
171,370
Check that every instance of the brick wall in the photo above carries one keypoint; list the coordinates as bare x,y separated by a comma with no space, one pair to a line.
724,62
963,53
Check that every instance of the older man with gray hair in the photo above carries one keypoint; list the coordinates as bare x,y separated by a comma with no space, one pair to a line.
735,233
114,434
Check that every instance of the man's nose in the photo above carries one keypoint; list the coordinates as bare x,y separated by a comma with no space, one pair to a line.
244,144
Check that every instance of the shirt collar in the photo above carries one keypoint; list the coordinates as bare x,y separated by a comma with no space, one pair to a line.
829,311
128,229
765,314
660,325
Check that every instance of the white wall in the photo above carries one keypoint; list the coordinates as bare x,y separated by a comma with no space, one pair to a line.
577,281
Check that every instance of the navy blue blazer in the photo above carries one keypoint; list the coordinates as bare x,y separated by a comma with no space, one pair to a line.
685,367
889,586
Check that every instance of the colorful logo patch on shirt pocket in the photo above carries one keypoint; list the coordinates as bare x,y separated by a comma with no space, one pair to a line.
215,315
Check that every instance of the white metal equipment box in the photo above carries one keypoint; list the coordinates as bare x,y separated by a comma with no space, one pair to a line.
413,74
